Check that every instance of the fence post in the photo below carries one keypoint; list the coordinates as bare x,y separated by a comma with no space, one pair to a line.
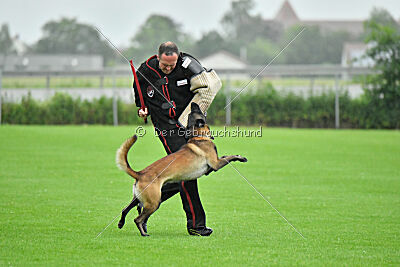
48,81
102,80
312,80
115,102
337,123
228,100
1,97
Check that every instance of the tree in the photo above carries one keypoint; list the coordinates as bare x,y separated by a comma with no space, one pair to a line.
6,45
235,20
209,43
5,40
156,30
306,49
382,17
69,36
313,46
334,42
383,89
262,50
242,28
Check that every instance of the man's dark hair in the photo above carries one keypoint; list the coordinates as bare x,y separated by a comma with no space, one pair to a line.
168,48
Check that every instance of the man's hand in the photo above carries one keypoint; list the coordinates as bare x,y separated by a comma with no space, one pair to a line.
143,113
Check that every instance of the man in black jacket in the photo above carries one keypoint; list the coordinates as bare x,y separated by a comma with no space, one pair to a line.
178,79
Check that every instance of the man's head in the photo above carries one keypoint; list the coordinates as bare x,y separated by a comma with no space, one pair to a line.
167,56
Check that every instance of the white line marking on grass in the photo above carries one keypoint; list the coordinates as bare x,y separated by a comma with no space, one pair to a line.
266,200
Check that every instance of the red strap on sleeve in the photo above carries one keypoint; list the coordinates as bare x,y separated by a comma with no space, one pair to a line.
137,85
143,107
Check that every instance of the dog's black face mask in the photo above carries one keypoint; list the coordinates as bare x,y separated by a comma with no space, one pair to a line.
196,117
196,123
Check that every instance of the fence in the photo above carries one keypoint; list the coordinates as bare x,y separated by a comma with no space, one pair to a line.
309,72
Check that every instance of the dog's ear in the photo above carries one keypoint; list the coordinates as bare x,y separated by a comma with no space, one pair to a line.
195,108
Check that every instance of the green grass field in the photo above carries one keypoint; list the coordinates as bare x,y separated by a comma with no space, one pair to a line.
59,188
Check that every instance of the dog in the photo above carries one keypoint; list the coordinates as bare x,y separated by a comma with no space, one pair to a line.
194,159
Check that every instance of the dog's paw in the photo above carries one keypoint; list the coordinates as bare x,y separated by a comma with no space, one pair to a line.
241,159
121,224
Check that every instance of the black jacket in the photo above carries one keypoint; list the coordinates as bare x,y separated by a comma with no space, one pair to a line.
175,87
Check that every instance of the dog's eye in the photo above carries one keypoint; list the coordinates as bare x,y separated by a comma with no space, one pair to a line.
199,123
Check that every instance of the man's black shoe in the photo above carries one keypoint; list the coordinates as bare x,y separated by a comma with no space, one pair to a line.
204,231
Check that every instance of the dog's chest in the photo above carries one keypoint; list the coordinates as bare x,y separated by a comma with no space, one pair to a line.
199,171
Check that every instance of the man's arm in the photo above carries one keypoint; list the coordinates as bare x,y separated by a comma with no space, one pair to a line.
204,84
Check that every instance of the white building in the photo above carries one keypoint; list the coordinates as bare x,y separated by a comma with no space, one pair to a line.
354,55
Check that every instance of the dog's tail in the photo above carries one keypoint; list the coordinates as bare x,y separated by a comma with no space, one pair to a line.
122,157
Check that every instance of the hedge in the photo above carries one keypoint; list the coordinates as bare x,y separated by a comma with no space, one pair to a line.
262,107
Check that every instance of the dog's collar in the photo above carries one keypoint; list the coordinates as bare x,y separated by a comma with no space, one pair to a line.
201,135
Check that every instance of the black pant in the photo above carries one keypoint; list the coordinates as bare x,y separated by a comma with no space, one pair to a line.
196,218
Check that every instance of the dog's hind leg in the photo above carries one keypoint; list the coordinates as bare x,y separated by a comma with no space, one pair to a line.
151,201
147,211
125,211
150,196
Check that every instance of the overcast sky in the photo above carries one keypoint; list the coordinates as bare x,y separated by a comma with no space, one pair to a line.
120,19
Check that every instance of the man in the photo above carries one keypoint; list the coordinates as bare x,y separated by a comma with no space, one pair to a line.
179,79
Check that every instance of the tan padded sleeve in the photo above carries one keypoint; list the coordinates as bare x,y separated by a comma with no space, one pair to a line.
205,86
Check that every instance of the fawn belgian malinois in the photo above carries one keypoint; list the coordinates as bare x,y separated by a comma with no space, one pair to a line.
197,157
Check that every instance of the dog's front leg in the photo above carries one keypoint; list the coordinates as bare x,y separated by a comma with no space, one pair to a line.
218,163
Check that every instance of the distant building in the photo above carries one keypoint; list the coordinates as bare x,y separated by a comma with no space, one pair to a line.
44,62
353,55
223,60
18,46
288,17
224,63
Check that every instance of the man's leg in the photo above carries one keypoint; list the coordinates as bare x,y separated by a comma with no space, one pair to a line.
196,218
170,189
195,215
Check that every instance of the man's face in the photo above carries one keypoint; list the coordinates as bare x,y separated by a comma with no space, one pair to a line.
167,63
